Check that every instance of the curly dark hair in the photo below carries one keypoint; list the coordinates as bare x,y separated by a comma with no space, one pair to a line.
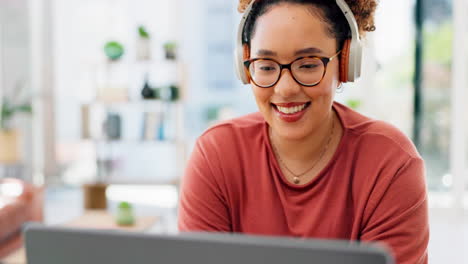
329,12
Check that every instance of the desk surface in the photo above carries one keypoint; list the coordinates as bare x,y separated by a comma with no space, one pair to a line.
96,219
99,219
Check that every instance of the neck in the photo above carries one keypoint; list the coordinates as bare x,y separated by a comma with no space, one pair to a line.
308,148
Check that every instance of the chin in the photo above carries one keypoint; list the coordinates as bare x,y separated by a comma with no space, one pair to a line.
288,132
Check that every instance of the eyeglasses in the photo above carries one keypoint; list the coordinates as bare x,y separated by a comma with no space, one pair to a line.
307,71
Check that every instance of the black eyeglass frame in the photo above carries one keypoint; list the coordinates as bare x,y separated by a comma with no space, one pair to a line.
324,60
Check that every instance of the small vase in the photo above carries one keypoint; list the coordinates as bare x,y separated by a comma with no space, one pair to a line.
143,49
174,93
94,196
147,92
9,150
125,216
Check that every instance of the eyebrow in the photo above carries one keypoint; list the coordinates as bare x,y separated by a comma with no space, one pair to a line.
264,52
308,51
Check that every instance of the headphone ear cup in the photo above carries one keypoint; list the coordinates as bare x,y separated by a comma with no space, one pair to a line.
344,61
245,56
239,57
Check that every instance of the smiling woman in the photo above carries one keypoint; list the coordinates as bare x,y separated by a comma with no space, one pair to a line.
305,165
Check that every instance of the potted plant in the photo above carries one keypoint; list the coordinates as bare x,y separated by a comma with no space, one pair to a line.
170,50
9,135
125,215
115,82
114,50
143,48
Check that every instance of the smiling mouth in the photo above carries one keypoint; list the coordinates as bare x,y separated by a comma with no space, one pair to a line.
291,108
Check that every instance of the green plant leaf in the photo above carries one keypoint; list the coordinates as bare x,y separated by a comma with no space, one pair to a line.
7,110
143,33
170,45
114,50
125,205
353,103
26,108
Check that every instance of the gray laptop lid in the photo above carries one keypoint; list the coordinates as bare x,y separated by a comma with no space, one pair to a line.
53,245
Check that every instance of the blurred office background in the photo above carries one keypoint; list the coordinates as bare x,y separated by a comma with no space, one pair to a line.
120,89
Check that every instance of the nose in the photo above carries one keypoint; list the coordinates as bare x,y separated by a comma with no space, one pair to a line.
286,85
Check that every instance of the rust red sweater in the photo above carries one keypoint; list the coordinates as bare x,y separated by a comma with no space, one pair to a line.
373,189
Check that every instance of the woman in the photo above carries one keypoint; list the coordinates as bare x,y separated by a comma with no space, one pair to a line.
305,165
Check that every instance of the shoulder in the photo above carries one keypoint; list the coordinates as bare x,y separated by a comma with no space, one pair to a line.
227,146
388,172
377,135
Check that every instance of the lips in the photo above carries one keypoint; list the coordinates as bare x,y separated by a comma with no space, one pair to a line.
290,104
291,112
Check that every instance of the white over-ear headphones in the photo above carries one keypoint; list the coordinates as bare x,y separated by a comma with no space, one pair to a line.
350,58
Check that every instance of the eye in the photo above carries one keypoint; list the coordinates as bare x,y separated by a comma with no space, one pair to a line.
308,64
265,66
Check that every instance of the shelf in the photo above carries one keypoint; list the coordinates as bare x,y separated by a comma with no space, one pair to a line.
175,180
135,142
135,103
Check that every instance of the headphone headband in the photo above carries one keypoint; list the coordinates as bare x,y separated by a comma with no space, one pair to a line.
353,64
239,51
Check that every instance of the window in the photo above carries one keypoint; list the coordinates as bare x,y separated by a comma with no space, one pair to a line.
436,95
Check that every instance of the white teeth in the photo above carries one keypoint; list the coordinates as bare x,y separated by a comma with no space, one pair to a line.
291,110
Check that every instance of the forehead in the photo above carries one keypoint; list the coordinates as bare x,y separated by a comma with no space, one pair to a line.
286,28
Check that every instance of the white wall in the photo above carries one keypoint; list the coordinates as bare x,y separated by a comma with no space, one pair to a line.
459,135
82,27
14,62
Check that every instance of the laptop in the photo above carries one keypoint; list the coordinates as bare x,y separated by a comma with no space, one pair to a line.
59,245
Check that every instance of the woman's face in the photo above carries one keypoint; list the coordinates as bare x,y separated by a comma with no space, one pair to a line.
284,33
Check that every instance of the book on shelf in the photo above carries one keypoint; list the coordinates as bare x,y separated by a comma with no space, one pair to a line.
150,125
85,122
157,126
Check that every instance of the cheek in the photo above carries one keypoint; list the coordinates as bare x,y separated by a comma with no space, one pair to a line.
262,95
327,86
322,91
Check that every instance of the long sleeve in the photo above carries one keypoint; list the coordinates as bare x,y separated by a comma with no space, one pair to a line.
202,204
398,214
